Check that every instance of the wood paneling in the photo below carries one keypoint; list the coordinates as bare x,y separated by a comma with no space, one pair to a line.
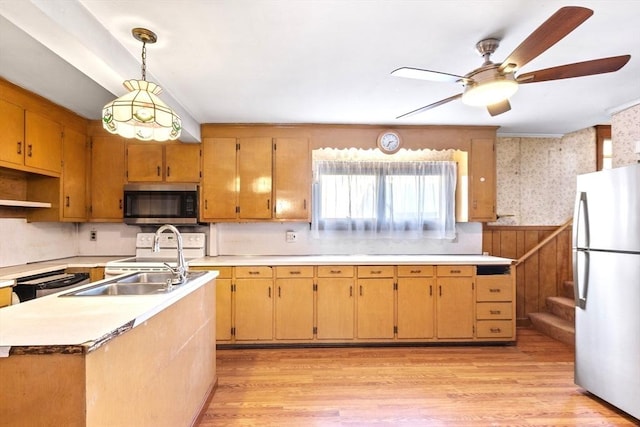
541,275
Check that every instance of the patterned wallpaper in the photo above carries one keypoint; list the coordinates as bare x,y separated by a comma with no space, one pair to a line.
625,131
536,176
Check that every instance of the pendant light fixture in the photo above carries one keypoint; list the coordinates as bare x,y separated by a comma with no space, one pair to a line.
141,114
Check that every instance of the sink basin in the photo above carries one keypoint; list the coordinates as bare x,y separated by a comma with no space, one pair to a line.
142,283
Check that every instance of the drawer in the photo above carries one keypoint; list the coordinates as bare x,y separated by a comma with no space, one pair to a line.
366,271
495,329
415,270
494,288
253,272
494,310
454,270
335,271
300,271
223,272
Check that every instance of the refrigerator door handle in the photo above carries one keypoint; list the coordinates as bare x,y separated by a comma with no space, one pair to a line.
581,281
581,219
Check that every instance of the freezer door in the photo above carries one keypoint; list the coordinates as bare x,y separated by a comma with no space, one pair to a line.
608,330
607,210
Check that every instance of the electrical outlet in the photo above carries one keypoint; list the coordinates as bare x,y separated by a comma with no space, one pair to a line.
93,235
292,236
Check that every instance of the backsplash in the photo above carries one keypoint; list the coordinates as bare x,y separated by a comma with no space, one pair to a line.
24,242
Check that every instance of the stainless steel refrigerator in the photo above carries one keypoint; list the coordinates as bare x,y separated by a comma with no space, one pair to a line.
606,267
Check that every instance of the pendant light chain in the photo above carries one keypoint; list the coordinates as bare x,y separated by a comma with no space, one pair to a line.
144,61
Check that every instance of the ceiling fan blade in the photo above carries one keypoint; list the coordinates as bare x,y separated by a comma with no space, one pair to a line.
578,69
430,106
499,108
417,73
554,29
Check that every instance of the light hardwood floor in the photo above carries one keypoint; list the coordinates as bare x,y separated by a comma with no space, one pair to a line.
530,384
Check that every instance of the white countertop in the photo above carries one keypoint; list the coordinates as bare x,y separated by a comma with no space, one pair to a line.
224,261
82,320
16,271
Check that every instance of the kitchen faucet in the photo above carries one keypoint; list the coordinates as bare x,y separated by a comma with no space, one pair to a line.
181,268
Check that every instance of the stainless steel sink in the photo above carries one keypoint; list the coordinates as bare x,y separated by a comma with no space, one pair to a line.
142,283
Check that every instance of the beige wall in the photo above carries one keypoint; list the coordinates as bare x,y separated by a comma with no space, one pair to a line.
625,131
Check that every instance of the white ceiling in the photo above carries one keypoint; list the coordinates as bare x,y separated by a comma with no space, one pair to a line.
315,61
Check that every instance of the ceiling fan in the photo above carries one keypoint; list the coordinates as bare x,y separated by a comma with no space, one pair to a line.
491,85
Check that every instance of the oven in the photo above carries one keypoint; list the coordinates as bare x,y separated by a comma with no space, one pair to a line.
39,285
193,245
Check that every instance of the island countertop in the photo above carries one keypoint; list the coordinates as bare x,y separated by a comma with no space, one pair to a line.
82,321
274,260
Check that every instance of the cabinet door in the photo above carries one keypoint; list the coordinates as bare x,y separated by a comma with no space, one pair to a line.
254,309
292,178
454,310
219,185
12,146
182,163
335,308
223,309
375,308
144,162
44,143
482,181
254,176
294,309
415,307
107,177
74,176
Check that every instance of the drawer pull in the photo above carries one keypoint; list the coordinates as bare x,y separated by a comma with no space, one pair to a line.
455,271
495,311
495,330
335,271
376,271
295,272
494,290
415,271
253,273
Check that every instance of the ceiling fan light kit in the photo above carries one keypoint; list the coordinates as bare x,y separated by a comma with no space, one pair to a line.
141,114
491,85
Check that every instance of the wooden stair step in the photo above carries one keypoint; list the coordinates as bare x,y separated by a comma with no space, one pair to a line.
567,289
554,327
562,307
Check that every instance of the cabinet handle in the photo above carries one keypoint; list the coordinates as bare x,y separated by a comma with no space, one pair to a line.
252,273
350,291
495,330
494,290
430,290
30,150
304,204
19,147
454,271
158,170
360,290
494,311
269,291
295,272
376,272
67,203
206,204
120,204
415,271
268,204
335,271
168,170
440,290
279,292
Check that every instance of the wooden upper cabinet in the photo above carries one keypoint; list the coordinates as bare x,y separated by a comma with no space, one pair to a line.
12,147
43,139
219,192
29,141
154,162
292,179
74,176
107,178
482,181
254,178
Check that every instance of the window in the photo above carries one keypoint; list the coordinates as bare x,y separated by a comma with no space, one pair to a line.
384,198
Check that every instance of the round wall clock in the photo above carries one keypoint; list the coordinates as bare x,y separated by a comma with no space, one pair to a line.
389,142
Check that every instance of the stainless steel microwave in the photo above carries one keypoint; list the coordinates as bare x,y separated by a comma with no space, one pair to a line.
160,204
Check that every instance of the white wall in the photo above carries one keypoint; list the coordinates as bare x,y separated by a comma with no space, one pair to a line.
23,242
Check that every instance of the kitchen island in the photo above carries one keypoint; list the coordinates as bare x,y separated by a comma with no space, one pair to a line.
109,360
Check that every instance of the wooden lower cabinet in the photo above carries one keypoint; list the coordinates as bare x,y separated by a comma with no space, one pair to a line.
335,303
253,292
294,303
364,304
415,293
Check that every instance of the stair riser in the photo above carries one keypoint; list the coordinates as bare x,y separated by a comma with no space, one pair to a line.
561,310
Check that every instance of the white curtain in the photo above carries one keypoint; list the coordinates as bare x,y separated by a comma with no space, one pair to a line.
385,198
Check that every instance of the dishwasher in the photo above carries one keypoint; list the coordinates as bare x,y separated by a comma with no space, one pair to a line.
39,285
